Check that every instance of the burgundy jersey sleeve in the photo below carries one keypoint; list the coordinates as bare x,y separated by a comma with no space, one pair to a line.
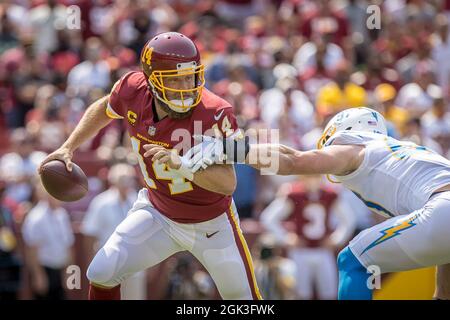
120,92
226,123
216,115
115,108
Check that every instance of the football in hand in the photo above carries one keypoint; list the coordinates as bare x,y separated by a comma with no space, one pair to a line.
62,184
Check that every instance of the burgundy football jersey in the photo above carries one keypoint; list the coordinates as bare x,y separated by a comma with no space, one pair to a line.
312,212
177,198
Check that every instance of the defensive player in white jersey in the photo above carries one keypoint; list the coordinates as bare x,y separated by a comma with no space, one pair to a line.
405,182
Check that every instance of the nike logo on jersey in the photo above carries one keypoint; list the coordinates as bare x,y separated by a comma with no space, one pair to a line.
217,117
210,235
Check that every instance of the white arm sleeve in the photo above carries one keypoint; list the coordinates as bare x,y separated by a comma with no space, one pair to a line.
346,223
277,211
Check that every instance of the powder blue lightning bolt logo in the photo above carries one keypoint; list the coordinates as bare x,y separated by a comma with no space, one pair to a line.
393,231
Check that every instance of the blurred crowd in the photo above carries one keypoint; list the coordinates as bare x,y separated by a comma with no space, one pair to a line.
282,64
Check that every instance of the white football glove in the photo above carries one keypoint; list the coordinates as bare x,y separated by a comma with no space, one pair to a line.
206,153
211,150
190,163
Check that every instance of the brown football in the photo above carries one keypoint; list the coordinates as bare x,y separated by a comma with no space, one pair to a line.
62,184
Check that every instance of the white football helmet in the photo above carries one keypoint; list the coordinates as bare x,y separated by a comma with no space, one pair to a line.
355,119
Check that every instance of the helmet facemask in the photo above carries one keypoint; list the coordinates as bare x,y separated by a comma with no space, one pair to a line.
179,100
325,136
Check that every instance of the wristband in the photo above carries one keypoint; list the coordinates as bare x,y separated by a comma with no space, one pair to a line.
236,150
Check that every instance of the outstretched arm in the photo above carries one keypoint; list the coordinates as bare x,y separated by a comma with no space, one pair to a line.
283,160
273,158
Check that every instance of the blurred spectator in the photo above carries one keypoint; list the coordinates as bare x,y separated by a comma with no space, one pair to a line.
15,12
419,58
240,92
312,206
101,16
188,282
376,73
415,97
106,211
385,95
18,167
8,38
341,93
245,194
422,13
393,43
275,274
436,123
355,11
25,72
66,55
235,11
10,264
49,238
441,52
314,78
286,100
325,17
318,49
49,120
142,24
414,133
44,21
395,9
91,73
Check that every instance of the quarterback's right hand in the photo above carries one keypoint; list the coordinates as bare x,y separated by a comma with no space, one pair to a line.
64,154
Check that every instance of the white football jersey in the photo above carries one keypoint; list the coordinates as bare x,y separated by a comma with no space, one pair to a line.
395,177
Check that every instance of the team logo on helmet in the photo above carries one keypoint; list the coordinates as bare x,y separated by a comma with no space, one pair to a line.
147,55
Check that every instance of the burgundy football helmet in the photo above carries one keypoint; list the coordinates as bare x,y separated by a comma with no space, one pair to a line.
168,55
